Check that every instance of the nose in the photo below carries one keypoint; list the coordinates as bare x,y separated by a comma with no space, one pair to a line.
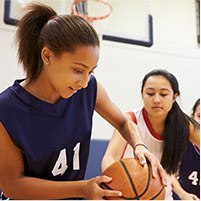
83,83
157,98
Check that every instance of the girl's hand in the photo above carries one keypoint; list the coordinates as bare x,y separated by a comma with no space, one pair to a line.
142,153
93,191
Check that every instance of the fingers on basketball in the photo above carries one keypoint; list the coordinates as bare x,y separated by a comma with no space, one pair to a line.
103,179
111,193
134,181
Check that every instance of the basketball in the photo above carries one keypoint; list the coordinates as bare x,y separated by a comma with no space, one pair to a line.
134,181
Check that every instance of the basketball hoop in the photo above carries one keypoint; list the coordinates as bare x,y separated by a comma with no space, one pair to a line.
91,10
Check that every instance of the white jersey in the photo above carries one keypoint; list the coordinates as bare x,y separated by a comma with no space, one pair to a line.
151,139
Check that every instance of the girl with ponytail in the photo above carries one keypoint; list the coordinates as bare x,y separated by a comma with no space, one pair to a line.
165,128
46,118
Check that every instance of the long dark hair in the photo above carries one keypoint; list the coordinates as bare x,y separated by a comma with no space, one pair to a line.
197,103
176,131
41,26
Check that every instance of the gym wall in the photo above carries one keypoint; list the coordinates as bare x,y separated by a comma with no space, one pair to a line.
122,66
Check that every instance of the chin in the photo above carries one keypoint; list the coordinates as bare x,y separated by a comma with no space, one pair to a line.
67,95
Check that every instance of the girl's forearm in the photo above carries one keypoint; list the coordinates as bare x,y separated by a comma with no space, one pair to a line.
35,189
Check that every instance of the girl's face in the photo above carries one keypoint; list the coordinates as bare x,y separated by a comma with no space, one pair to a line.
158,96
70,72
196,115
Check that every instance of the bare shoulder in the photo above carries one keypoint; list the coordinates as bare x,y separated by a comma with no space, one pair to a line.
5,139
11,165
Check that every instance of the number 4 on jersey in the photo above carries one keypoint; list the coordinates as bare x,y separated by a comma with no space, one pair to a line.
61,164
194,177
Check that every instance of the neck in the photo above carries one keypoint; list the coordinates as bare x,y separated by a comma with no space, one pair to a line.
41,88
158,124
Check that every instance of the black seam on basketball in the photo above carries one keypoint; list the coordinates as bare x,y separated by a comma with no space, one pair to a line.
148,181
125,198
131,182
106,186
133,186
155,196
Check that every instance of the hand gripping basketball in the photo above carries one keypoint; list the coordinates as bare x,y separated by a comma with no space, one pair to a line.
134,181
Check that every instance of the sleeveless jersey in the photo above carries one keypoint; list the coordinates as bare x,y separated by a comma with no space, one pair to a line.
54,138
189,172
151,139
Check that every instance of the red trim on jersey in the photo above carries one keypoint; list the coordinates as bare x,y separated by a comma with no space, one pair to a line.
133,117
122,155
149,126
135,121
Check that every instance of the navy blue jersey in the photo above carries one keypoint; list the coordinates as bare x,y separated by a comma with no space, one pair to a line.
54,138
189,173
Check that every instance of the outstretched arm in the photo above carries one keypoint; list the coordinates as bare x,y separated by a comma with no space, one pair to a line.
114,150
127,129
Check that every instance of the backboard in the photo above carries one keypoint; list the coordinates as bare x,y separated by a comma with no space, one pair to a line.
130,21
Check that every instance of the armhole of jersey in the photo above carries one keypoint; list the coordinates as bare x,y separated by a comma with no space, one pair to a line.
133,117
135,121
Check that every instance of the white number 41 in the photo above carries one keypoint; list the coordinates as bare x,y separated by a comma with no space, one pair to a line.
61,164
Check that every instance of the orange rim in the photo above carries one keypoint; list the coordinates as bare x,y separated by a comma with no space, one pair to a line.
87,17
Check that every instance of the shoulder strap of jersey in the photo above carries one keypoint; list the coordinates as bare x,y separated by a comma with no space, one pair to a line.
133,116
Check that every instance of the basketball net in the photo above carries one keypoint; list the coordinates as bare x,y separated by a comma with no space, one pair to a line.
95,12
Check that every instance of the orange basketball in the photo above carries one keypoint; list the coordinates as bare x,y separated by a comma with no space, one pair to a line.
134,181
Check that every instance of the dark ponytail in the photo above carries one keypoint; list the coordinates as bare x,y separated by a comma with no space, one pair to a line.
176,135
176,131
42,27
28,34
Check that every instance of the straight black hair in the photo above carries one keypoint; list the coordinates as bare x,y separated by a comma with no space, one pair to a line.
197,103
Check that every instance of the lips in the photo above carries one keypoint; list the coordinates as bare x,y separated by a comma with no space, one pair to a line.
156,107
73,90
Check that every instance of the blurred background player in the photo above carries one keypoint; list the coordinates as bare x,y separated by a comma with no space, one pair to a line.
187,187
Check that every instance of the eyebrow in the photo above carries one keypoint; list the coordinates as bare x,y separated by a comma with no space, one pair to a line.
81,64
162,89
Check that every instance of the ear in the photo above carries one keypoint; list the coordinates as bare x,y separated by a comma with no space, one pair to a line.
46,55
